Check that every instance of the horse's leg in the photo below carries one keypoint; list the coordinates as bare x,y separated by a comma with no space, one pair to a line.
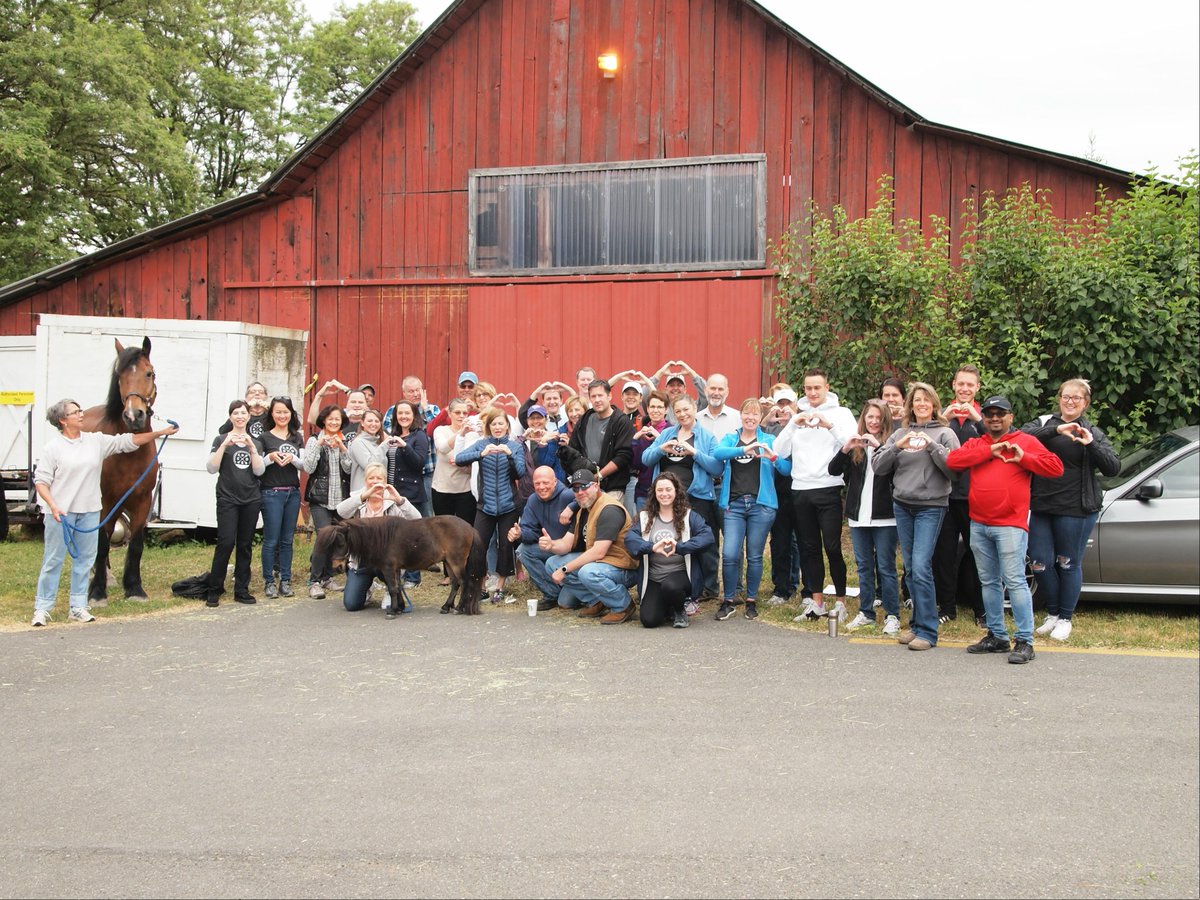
132,579
392,580
98,592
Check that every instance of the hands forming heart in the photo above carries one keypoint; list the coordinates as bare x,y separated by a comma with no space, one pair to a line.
1075,432
1008,453
665,547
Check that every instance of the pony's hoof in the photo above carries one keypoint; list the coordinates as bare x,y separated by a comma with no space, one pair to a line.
138,598
444,610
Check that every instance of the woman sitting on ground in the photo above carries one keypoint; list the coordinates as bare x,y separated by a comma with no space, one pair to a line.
374,500
668,532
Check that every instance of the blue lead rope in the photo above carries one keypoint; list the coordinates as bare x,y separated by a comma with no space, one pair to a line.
69,531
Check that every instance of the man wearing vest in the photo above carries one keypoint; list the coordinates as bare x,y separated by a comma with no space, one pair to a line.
590,562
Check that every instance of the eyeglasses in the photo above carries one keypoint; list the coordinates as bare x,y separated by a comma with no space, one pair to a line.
1072,398
580,488
75,412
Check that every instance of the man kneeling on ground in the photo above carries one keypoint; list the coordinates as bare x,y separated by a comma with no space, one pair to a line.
590,563
539,519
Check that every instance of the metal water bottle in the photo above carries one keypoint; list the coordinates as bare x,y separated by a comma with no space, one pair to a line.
832,616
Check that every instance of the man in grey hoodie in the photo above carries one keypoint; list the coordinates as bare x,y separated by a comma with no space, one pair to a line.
811,439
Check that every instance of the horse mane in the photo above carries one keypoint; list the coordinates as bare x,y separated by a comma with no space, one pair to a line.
370,540
114,406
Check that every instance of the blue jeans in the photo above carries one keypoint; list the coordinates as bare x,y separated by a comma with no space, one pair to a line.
917,528
358,582
1000,557
54,554
749,522
533,558
875,557
279,512
594,582
1056,545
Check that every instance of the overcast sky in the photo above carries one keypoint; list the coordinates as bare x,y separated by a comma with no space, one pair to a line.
1060,75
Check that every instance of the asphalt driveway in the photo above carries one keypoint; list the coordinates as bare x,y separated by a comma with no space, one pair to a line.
294,749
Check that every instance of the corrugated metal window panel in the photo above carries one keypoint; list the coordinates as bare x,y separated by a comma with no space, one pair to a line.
660,215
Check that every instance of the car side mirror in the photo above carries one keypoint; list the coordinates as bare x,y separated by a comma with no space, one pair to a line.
1151,489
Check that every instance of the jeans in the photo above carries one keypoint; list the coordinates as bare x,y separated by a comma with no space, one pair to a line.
1056,545
1000,557
54,554
594,582
917,527
875,556
630,497
358,582
533,558
279,512
750,522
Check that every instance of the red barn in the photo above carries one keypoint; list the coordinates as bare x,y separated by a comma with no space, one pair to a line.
498,201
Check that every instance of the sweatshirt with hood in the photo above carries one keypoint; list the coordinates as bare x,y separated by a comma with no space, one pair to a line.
811,448
919,477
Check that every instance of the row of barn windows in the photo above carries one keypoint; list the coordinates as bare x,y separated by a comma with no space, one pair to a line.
661,215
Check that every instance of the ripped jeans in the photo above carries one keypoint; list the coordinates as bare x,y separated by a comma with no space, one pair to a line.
1056,545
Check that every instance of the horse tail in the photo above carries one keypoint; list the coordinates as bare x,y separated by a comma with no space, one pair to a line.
475,573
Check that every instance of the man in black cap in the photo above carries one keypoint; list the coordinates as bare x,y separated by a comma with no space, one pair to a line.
590,563
1002,463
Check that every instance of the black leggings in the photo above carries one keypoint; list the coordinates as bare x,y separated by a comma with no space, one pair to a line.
500,525
949,573
663,599
461,505
818,520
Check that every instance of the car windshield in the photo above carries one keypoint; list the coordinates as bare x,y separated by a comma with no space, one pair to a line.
1144,457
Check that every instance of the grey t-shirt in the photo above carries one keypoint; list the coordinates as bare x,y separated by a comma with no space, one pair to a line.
662,566
593,438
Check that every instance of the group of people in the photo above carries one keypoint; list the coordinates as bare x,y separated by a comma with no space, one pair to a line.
679,495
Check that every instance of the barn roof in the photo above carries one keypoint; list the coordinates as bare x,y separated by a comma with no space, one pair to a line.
297,168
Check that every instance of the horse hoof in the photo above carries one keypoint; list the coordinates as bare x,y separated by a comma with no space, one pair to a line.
390,614
138,598
444,610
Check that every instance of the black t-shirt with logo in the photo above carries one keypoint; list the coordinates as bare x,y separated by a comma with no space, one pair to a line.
280,476
236,482
744,474
680,466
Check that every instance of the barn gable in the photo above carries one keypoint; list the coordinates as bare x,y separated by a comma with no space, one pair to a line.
361,237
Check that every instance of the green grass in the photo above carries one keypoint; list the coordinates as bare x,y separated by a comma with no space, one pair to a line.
1097,625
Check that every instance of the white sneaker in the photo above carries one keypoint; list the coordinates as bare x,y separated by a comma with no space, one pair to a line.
810,610
892,625
861,621
491,583
40,617
83,614
316,591
1047,626
776,600
1062,630
878,603
839,610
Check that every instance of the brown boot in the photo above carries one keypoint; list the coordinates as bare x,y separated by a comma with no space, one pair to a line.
616,618
595,611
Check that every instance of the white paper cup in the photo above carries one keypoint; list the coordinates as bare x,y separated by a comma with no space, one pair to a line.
532,607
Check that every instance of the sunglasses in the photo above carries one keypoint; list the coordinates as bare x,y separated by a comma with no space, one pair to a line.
994,413
281,399
580,488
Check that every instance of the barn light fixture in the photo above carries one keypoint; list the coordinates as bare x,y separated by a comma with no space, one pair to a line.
608,64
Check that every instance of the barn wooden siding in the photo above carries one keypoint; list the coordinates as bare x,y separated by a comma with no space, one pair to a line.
364,242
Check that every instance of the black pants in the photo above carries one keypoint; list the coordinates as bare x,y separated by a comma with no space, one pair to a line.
235,529
461,505
318,568
500,525
782,535
710,557
955,578
664,598
818,521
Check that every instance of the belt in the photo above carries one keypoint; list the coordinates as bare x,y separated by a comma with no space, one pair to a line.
281,489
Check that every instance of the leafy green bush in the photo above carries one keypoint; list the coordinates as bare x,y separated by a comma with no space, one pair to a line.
1111,297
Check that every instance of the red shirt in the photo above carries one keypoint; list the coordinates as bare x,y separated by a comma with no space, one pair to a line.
999,492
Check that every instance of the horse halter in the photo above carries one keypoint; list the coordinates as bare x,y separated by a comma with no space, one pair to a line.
149,401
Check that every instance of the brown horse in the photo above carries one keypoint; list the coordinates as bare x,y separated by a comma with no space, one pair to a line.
129,408
391,544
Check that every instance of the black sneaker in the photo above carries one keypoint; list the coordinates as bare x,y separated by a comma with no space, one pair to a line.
681,620
726,610
546,604
1021,654
990,644
751,609
245,598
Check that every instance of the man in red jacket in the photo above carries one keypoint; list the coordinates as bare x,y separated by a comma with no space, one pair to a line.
1002,462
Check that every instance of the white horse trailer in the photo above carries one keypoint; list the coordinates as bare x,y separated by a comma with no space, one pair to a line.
200,366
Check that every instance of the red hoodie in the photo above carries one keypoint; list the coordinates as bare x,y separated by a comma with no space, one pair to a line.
1000,490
